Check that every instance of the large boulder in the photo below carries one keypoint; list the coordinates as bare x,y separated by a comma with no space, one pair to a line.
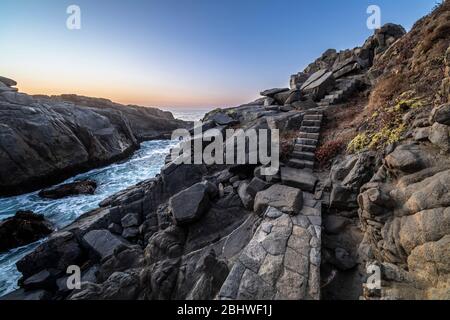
189,205
70,189
325,61
282,97
272,92
257,185
42,280
383,38
343,197
424,226
178,177
301,179
221,118
408,158
318,84
347,176
102,243
440,136
22,229
441,114
58,252
294,96
349,66
288,97
8,82
286,199
129,258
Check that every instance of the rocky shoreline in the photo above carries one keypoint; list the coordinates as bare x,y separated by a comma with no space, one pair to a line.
312,231
45,140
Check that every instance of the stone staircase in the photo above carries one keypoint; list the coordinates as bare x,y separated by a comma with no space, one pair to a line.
343,90
303,156
282,260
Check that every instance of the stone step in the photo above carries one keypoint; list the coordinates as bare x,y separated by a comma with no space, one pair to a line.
309,142
309,129
303,155
313,117
337,93
309,135
345,90
313,112
301,164
312,123
332,100
297,178
304,148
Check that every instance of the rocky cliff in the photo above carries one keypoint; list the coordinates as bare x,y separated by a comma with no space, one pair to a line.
45,140
363,183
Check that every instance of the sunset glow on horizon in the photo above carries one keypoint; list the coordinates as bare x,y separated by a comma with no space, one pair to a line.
203,54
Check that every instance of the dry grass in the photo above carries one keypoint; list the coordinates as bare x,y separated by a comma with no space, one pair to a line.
343,121
287,141
410,75
329,150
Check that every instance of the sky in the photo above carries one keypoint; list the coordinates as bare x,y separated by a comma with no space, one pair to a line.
180,53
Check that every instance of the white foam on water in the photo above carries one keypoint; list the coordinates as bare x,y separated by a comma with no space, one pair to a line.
143,165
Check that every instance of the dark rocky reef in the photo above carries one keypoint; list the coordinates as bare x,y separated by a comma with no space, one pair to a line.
22,229
69,189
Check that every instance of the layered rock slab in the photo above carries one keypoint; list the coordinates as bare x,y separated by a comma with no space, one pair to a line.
281,261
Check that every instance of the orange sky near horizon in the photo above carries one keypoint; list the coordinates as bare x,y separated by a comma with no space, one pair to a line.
163,97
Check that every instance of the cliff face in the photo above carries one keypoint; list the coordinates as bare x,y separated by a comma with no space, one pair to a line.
393,178
44,140
146,123
404,208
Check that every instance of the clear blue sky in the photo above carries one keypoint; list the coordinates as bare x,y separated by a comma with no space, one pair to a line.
180,53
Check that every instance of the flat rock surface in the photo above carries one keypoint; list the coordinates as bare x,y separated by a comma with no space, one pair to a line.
284,198
281,262
102,243
302,179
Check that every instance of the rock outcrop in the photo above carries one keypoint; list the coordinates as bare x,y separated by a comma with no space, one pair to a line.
24,228
406,222
44,141
69,189
146,123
